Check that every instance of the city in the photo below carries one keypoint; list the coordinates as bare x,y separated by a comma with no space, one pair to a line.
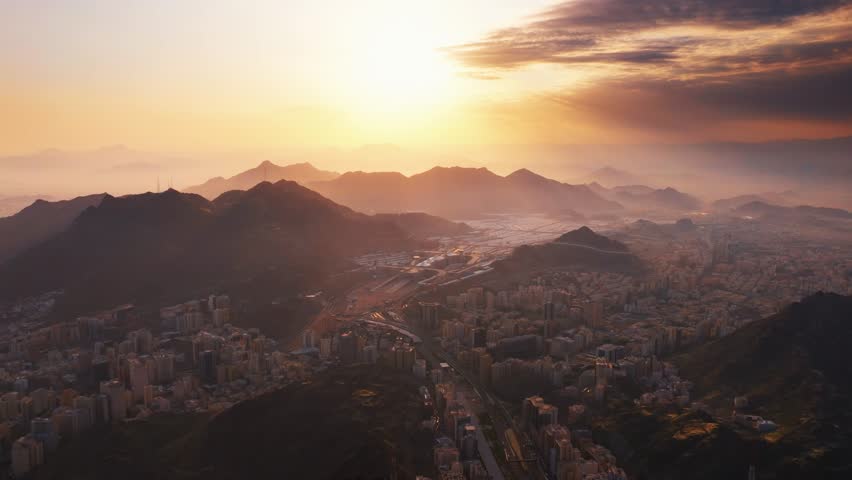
426,240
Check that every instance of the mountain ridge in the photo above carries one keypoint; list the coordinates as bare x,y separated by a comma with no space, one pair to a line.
141,247
302,173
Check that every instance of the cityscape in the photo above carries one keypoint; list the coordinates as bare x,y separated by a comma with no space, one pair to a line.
392,240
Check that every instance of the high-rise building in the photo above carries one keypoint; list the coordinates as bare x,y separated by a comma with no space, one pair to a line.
593,314
9,405
308,339
207,366
428,315
221,316
138,379
117,399
43,400
101,416
165,366
27,453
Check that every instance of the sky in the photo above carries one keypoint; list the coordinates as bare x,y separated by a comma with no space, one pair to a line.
218,75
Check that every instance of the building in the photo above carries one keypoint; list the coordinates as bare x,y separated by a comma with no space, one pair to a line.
207,367
27,454
308,339
117,399
325,347
138,379
165,367
429,315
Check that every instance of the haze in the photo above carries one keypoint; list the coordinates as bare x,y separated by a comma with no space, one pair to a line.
207,87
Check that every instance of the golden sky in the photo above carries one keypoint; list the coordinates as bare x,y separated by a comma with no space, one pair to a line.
214,74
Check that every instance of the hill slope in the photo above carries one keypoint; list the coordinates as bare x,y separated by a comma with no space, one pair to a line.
267,171
356,422
581,247
38,222
793,368
136,248
423,225
794,359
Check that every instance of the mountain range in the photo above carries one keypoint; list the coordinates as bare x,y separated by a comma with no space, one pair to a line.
786,199
769,211
458,192
303,173
643,197
135,248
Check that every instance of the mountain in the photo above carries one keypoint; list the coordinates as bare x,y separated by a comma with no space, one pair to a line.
582,247
302,173
367,192
793,369
613,176
12,204
423,225
38,222
633,189
371,415
458,192
643,197
273,237
795,358
586,237
785,199
776,212
661,231
661,199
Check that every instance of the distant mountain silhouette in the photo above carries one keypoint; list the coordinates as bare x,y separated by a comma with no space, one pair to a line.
652,229
633,189
661,199
139,247
612,177
458,192
769,211
38,222
643,197
781,198
302,173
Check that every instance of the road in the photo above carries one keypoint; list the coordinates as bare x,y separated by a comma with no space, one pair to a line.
498,413
614,252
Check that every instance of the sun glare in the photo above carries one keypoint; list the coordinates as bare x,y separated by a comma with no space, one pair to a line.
397,67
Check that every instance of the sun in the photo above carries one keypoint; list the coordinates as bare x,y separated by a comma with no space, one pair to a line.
396,65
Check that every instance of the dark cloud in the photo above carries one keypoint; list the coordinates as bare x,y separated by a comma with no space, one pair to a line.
643,14
585,30
679,105
685,64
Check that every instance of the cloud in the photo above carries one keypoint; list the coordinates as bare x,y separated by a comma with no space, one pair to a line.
671,64
594,30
